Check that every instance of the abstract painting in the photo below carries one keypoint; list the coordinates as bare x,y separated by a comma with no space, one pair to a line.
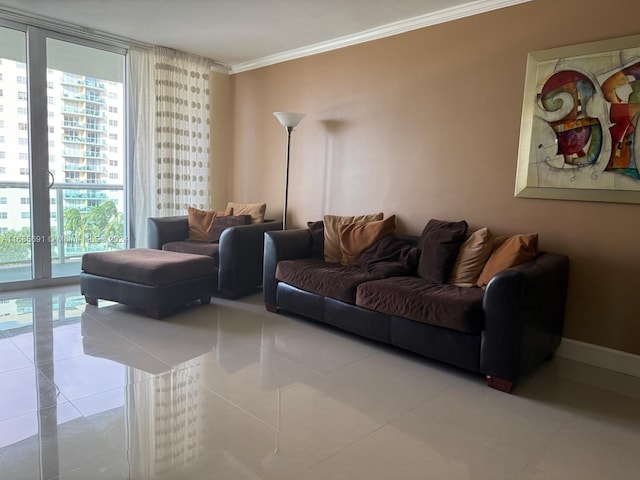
579,134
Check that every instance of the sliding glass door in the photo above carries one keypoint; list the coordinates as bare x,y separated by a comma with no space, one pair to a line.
62,153
15,194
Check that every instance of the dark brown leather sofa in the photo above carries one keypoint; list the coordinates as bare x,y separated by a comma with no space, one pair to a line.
238,254
513,325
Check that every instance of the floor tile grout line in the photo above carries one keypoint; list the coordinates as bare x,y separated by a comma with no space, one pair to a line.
248,413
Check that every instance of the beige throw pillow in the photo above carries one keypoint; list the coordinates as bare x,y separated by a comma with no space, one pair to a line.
472,256
355,238
513,251
256,210
200,222
332,252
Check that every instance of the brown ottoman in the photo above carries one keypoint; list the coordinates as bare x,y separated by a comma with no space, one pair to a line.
155,281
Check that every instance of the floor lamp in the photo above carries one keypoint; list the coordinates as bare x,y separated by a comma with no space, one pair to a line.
288,120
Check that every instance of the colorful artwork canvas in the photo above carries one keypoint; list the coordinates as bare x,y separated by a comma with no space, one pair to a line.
579,136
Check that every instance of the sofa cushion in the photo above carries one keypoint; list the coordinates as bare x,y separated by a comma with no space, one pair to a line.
332,224
472,256
509,252
196,248
256,210
355,238
327,279
443,305
147,266
220,224
389,257
439,244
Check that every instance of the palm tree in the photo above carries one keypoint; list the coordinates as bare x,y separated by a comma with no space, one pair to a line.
74,227
114,231
98,220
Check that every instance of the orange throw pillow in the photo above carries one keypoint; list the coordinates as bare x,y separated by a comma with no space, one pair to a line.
200,222
332,223
355,238
513,251
256,210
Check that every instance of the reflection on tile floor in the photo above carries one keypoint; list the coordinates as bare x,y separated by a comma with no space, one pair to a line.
230,391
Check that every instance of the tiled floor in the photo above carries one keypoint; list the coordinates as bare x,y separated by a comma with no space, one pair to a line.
229,391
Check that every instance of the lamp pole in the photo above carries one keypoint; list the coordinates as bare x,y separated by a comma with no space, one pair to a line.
289,120
286,179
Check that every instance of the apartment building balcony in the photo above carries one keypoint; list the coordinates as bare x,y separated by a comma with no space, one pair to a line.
84,168
84,98
84,111
77,153
75,81
73,152
92,83
85,126
87,140
84,195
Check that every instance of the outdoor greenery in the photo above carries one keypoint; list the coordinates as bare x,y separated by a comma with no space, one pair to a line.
99,228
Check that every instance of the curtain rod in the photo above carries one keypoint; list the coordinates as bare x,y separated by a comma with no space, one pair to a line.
87,33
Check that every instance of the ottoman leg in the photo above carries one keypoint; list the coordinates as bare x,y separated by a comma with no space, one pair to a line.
91,300
155,313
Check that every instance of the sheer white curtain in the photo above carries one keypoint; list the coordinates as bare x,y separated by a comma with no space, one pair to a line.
169,112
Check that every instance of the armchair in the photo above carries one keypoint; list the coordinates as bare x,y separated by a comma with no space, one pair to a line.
238,254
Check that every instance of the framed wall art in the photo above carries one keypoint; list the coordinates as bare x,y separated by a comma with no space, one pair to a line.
579,137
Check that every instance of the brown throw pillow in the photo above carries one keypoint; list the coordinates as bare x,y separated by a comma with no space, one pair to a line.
439,244
332,253
389,257
355,238
256,210
317,238
513,251
200,222
473,254
220,224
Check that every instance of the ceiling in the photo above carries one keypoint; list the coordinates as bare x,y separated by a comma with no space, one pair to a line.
242,34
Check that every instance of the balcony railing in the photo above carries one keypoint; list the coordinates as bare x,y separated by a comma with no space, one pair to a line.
84,168
65,248
88,140
84,111
86,126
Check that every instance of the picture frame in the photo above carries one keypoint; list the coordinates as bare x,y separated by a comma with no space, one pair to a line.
580,129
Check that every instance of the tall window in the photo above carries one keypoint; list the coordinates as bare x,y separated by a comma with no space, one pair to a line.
60,112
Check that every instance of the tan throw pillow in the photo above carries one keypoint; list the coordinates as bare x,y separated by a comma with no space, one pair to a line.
200,222
332,252
513,251
256,210
355,238
472,256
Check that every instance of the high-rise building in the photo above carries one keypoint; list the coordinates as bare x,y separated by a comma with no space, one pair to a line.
85,157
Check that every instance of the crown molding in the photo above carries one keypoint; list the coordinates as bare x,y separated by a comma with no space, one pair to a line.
395,28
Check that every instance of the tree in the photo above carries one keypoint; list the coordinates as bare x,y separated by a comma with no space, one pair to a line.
15,247
102,226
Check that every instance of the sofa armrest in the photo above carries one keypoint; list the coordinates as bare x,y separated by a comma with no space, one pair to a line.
167,229
240,254
282,245
524,310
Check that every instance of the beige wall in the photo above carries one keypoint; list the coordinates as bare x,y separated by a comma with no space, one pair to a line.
426,125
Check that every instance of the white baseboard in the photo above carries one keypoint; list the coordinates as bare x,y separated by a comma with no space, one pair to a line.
598,356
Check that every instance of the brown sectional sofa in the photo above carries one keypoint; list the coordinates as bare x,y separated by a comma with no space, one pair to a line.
503,331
